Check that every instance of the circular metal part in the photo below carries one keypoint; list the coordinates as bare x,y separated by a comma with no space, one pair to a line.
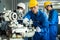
13,16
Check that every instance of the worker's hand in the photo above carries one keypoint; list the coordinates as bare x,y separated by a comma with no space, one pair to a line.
38,29
26,21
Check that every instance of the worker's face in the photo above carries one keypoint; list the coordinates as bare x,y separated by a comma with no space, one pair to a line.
48,8
20,10
34,9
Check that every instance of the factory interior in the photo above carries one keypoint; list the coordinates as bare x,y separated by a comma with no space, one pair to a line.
11,29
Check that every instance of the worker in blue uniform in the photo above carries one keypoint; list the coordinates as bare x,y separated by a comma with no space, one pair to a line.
40,21
53,20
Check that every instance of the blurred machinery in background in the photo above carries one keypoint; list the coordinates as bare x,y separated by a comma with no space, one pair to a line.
6,18
11,28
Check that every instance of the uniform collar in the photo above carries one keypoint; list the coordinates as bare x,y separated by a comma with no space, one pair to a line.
36,14
52,10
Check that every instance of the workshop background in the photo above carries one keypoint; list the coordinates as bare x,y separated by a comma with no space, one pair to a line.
12,4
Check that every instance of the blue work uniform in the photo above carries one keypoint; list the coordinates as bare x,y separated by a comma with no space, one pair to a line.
40,20
53,24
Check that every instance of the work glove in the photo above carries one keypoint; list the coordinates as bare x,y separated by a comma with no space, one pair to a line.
38,29
26,21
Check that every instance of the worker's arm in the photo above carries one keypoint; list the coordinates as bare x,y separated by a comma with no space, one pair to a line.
26,19
54,19
27,16
45,23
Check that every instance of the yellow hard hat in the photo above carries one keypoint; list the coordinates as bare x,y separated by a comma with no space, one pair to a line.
47,3
32,3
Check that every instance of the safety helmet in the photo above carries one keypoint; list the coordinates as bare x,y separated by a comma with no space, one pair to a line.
47,3
21,5
32,3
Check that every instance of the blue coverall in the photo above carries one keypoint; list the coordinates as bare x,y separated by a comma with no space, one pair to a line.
40,20
53,24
